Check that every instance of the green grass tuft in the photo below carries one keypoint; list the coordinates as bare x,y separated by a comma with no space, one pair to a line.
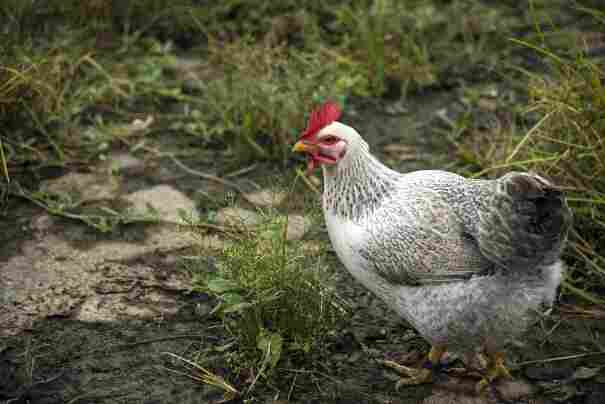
275,297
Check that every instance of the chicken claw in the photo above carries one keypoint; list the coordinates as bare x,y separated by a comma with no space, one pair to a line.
415,376
495,370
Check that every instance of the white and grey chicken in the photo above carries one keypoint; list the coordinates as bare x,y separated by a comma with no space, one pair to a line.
468,263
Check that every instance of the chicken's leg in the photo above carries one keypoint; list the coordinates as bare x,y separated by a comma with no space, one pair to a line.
414,376
495,370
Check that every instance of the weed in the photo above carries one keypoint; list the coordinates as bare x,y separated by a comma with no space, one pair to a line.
565,143
275,300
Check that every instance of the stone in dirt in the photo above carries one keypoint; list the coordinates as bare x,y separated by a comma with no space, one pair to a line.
461,391
126,163
265,198
234,216
164,199
66,269
298,226
83,186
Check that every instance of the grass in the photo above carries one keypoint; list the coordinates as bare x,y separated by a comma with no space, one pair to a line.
260,118
110,57
568,145
274,297
53,84
565,108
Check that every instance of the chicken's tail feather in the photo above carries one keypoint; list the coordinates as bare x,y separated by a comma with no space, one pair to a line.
526,223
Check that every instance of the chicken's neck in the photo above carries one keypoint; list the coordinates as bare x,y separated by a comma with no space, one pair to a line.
357,185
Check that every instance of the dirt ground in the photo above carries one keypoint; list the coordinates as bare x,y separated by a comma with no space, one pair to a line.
89,317
93,317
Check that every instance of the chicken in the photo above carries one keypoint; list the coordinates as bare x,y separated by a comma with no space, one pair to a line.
468,263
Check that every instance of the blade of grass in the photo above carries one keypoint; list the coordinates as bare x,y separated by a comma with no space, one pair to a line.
582,293
538,49
527,136
4,165
206,376
521,164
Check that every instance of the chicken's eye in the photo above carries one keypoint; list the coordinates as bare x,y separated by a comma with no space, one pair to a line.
330,140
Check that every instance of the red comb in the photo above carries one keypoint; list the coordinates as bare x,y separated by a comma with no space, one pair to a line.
320,118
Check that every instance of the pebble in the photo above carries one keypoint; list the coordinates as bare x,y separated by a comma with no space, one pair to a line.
167,201
233,216
265,198
298,226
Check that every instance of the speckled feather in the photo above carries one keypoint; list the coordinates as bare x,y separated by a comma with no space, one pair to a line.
469,263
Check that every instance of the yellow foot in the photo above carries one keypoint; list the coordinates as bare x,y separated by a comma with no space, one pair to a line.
414,376
495,370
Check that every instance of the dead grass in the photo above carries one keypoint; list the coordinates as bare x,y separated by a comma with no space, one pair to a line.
568,145
566,107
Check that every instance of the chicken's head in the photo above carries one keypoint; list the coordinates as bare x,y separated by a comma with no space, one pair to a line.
326,141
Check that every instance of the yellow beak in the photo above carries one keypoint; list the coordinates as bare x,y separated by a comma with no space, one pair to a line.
301,146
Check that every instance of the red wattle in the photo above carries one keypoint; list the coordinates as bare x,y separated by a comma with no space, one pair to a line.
310,166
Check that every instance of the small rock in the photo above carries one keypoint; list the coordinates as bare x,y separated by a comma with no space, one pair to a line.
42,222
233,216
166,200
126,163
488,104
513,390
544,373
265,198
298,226
86,187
